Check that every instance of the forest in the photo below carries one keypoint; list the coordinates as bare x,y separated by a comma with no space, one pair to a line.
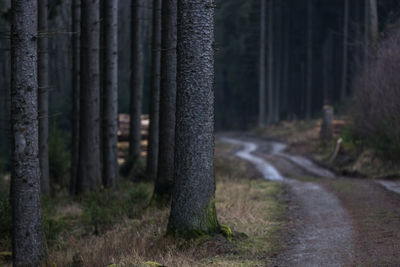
199,133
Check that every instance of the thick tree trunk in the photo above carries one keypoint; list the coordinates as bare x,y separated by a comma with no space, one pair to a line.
110,91
152,151
270,61
261,82
28,241
308,108
137,73
165,173
343,91
76,29
43,96
89,174
193,208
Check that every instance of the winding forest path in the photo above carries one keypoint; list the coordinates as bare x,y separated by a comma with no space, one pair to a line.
333,221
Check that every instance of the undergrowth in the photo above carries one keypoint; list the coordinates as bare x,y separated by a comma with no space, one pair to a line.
376,113
119,228
5,216
59,159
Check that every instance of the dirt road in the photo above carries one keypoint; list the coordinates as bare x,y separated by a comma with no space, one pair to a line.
331,221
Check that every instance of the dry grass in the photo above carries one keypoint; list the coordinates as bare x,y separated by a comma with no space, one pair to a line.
292,132
130,243
248,206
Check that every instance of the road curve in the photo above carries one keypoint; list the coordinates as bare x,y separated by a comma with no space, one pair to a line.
268,171
323,232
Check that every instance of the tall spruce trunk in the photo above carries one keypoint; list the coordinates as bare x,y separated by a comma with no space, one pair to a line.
193,208
27,238
76,29
327,59
261,74
110,92
286,56
343,90
357,28
165,173
373,23
308,104
278,61
152,151
366,32
137,79
43,96
89,174
271,101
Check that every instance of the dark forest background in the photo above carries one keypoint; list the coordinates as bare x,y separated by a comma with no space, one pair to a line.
237,57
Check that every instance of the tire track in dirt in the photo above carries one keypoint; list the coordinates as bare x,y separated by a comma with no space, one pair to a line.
323,231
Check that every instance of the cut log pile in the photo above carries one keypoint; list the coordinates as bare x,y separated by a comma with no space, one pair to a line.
123,135
123,127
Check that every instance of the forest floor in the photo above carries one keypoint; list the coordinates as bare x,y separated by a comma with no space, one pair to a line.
333,219
120,229
307,216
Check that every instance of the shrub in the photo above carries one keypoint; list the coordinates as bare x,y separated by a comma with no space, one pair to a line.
52,226
134,169
5,214
103,209
351,140
3,164
377,109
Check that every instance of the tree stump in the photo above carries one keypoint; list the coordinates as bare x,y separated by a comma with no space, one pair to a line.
327,123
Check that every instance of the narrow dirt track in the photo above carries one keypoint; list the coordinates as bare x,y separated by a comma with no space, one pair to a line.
323,234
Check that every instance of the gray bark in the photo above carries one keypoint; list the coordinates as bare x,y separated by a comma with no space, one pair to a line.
89,175
261,83
270,61
165,173
308,103
193,208
343,91
43,96
28,241
137,79
152,150
110,91
76,24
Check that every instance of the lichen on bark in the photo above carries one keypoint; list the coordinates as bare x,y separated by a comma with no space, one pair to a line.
208,225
